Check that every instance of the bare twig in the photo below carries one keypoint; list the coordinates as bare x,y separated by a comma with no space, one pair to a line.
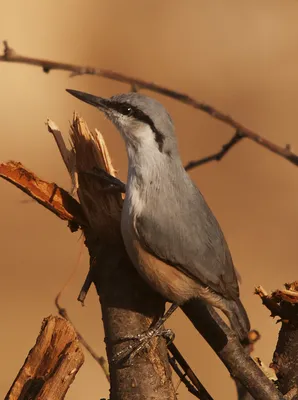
99,359
216,156
193,384
182,377
9,55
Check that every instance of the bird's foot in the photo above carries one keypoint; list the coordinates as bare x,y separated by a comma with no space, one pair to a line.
112,184
127,354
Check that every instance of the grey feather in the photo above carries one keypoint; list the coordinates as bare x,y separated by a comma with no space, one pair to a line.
183,232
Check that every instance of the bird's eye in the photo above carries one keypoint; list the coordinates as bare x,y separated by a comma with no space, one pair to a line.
126,110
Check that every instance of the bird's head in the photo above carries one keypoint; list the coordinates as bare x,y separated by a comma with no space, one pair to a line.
143,122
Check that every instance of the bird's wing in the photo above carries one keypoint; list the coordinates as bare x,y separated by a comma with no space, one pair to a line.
193,243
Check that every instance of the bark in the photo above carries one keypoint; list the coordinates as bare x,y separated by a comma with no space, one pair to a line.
285,359
51,365
284,303
129,307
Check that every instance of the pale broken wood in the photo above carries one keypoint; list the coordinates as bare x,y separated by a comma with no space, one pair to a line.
68,156
51,365
103,210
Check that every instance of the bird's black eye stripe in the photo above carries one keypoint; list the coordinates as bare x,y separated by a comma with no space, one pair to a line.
131,111
122,108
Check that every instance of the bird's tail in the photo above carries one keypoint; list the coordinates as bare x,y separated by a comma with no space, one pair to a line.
238,318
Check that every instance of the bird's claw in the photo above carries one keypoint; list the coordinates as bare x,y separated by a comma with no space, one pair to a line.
128,353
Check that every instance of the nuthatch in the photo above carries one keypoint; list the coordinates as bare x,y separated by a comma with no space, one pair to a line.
170,233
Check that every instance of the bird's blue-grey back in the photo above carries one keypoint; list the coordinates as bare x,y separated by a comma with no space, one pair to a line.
180,229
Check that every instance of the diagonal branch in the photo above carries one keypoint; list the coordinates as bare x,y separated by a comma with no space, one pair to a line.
193,384
49,195
230,351
9,55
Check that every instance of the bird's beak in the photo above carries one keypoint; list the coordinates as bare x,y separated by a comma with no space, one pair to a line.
95,101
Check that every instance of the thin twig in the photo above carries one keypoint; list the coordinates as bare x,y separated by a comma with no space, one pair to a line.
183,378
9,55
99,359
216,156
193,384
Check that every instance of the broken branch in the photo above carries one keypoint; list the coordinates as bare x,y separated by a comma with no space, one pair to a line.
283,303
51,364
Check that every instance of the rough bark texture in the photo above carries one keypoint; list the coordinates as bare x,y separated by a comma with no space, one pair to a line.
51,365
285,358
129,307
284,304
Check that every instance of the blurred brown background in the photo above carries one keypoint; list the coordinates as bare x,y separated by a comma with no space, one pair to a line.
241,57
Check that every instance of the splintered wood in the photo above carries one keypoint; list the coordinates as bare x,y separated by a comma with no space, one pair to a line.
102,210
51,365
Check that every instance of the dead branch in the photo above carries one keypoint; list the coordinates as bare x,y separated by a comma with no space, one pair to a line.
188,377
9,55
51,365
47,194
283,303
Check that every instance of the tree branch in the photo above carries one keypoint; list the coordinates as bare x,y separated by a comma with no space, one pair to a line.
9,55
229,350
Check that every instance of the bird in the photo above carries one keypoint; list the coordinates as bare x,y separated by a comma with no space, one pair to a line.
170,234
